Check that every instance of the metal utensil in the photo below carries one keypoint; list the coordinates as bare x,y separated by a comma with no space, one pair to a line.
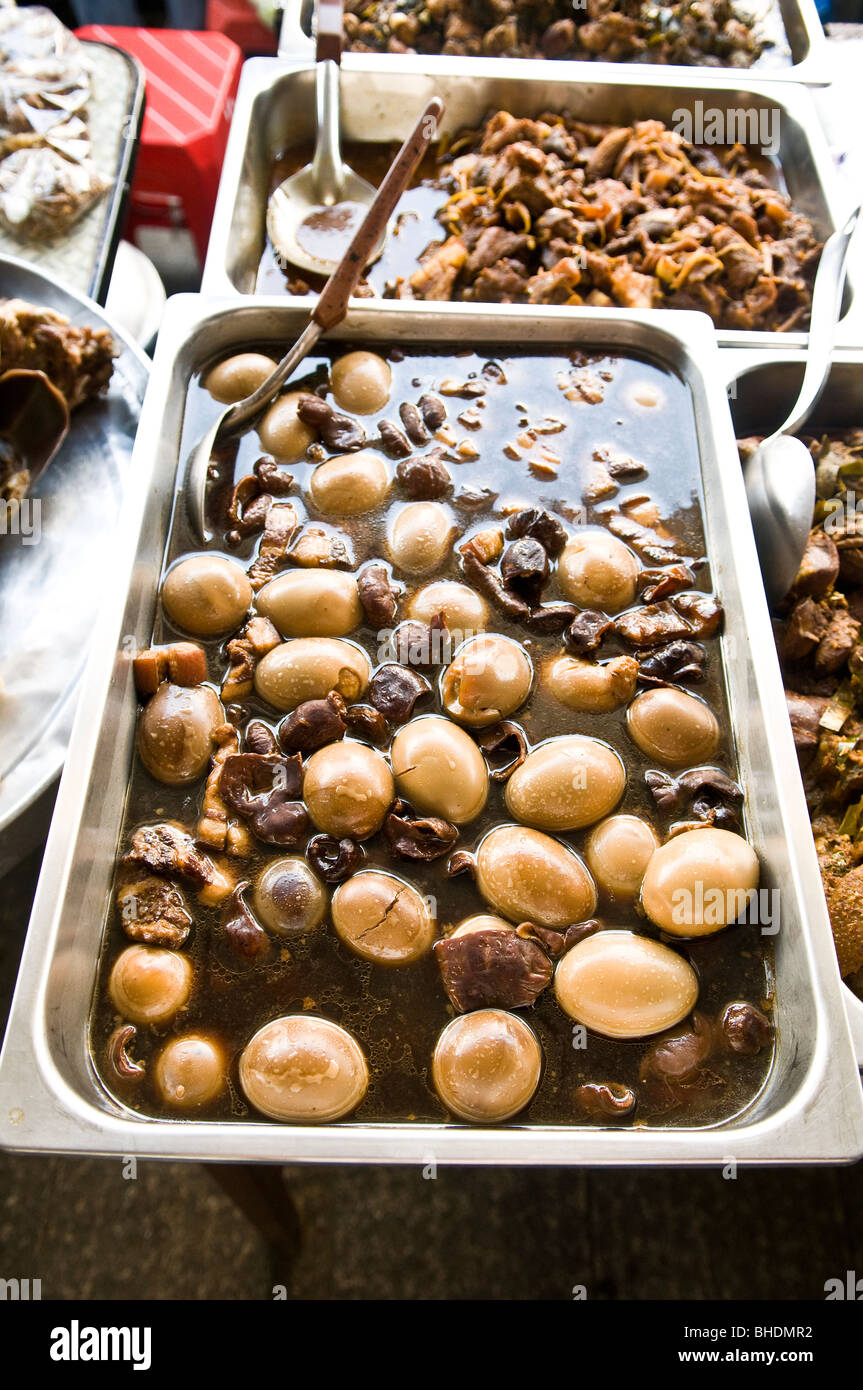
313,214
329,310
780,477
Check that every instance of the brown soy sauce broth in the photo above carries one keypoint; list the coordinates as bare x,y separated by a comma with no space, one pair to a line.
414,225
397,1014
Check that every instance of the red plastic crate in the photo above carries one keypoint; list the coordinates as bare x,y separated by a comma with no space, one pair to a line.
192,81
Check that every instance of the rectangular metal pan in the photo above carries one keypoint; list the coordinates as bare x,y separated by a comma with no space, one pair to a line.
801,53
50,1099
761,390
275,107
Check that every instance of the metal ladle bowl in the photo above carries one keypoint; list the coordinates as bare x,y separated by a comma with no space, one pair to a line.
312,216
780,475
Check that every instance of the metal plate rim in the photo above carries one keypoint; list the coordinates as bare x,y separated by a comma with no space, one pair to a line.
89,307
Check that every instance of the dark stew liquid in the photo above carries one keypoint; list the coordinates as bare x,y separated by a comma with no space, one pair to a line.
397,1014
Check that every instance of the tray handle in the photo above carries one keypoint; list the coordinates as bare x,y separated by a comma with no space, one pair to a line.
330,14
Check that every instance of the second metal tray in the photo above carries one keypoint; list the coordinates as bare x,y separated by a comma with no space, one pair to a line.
799,55
275,109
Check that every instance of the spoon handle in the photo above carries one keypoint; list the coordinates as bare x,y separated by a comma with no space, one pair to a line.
328,171
826,303
328,31
333,302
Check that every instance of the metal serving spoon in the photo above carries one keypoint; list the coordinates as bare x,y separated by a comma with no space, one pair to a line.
331,308
312,216
780,476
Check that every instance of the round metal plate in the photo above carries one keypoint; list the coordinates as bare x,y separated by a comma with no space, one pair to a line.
53,565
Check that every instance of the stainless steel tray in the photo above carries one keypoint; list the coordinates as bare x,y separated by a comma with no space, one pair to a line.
50,1099
275,107
800,53
761,388
50,590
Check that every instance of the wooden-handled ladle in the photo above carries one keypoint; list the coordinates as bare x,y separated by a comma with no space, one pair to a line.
331,308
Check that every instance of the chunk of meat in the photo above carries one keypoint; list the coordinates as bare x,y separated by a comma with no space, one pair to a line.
556,285
181,663
836,644
319,549
806,626
742,262
247,509
602,159
702,612
279,527
259,636
804,712
168,849
152,910
661,581
495,244
217,829
77,359
379,595
651,626
439,271
819,568
633,289
492,969
501,283
844,894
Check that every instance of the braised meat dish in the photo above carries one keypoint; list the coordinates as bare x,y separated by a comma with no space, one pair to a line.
705,32
48,368
554,211
820,641
76,358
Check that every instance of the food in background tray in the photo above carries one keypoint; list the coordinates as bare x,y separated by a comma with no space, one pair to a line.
819,635
435,804
556,211
48,367
707,32
47,177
